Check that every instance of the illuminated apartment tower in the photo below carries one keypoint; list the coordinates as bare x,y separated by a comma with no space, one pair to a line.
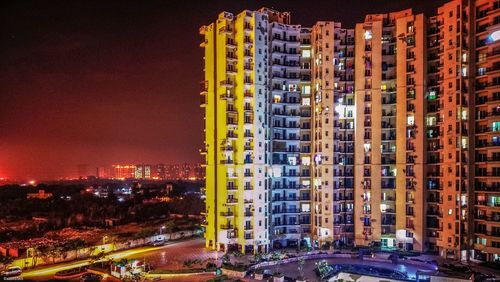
305,134
449,178
143,171
486,211
285,129
234,96
323,131
333,133
435,139
389,149
123,171
343,195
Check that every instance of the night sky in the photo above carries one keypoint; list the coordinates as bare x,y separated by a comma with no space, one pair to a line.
102,82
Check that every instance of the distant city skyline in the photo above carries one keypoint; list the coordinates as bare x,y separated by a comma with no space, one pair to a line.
110,172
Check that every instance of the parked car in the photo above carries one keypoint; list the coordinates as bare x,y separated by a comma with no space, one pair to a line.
12,271
90,277
159,243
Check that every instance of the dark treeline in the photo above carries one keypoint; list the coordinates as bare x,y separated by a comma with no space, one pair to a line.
70,207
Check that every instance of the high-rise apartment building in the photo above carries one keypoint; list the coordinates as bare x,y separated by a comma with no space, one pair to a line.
384,135
236,102
447,130
143,171
305,207
463,195
285,130
485,63
322,121
333,133
122,171
389,130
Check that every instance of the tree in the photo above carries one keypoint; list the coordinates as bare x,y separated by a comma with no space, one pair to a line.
170,226
323,269
226,258
74,245
91,250
55,252
40,252
145,232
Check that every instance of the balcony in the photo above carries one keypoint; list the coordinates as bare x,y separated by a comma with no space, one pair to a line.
231,201
226,83
434,213
203,99
390,101
292,223
284,199
284,211
227,214
434,200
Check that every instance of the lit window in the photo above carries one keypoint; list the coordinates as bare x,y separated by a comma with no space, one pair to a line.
306,53
306,101
495,36
368,34
305,208
317,159
367,147
432,95
410,120
495,126
464,142
431,121
383,207
306,160
306,89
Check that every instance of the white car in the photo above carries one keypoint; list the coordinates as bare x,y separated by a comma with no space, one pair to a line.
12,271
158,243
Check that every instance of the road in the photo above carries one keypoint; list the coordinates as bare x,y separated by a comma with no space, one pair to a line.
173,256
170,256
